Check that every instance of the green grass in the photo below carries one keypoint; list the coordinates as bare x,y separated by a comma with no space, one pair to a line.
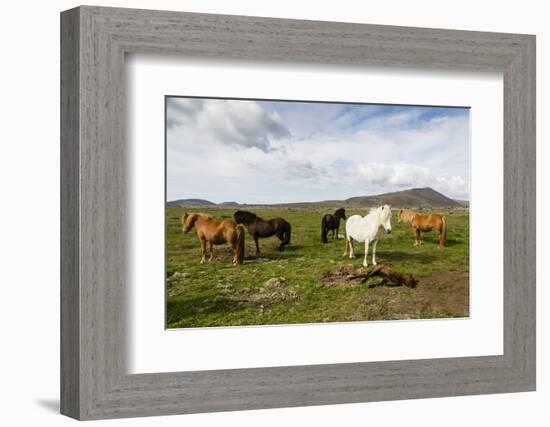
219,294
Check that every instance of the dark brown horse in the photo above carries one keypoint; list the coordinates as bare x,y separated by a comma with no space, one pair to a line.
331,222
259,227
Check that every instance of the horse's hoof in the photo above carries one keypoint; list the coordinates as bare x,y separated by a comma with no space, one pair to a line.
365,264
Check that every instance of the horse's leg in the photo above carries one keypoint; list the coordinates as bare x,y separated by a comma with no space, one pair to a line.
233,246
416,236
211,247
365,263
337,231
257,244
374,251
346,246
281,236
203,250
351,251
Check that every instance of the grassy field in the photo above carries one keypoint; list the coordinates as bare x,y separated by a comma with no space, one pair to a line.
307,283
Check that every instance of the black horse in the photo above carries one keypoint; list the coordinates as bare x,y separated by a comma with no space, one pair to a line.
332,223
259,227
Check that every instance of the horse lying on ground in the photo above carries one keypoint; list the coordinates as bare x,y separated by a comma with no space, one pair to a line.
215,232
365,229
389,277
331,222
259,227
406,215
427,223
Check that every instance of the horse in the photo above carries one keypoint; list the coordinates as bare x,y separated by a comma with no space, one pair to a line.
331,222
215,232
259,227
406,215
427,223
365,229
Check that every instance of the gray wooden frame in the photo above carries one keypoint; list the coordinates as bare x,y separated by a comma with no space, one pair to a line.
94,41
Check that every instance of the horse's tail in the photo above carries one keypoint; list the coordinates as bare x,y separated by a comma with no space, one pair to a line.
346,246
324,231
240,244
443,236
286,239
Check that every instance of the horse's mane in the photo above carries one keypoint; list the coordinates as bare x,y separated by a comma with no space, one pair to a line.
245,217
196,214
376,210
339,211
209,216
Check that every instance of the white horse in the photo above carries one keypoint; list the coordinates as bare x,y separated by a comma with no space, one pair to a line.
365,229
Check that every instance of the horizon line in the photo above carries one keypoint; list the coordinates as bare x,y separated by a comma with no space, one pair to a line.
319,201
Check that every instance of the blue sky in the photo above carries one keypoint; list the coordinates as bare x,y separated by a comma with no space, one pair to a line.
285,151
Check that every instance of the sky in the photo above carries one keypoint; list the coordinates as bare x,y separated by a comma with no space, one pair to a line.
252,151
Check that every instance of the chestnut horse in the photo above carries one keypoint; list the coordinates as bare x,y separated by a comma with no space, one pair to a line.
215,232
406,215
427,223
331,222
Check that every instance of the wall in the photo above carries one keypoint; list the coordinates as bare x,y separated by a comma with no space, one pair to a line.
29,168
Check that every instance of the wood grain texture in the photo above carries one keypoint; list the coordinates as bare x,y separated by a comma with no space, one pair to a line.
70,259
94,271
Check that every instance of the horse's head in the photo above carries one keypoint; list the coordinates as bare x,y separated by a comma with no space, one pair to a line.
187,221
400,216
410,281
340,213
385,218
244,217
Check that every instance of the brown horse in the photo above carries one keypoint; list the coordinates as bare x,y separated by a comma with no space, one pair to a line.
406,215
427,223
259,227
215,232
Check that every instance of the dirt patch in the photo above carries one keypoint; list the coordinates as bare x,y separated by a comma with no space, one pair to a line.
441,295
273,291
176,283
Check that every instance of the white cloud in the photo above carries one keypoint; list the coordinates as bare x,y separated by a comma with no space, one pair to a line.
400,175
255,152
243,123
388,177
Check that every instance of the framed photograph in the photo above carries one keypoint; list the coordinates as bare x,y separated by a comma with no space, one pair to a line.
262,213
300,171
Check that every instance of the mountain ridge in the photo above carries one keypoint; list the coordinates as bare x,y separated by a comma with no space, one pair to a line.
423,197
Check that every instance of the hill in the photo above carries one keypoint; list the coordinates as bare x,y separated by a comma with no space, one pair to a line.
415,197
465,203
190,202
